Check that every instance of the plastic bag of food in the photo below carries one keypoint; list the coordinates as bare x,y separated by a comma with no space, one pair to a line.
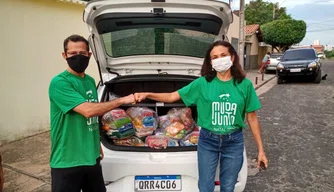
191,139
157,141
117,124
176,131
132,141
144,120
164,122
143,134
184,116
113,96
159,131
172,143
196,128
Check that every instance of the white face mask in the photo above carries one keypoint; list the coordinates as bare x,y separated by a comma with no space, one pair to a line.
222,64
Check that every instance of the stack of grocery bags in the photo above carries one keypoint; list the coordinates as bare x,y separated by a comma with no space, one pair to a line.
141,126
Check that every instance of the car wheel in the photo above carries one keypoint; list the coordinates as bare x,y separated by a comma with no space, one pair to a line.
280,80
318,77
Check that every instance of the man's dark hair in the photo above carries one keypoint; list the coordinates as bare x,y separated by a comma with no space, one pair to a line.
75,38
236,70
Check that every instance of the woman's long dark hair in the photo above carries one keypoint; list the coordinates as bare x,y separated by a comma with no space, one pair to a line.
236,70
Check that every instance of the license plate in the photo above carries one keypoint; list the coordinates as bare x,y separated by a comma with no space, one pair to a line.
295,70
158,183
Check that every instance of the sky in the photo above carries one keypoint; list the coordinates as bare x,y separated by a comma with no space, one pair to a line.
318,15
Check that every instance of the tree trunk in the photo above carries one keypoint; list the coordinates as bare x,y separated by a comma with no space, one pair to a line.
277,49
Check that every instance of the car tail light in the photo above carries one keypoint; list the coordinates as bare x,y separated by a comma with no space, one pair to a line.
268,61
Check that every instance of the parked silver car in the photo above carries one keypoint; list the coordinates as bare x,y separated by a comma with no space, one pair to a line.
273,61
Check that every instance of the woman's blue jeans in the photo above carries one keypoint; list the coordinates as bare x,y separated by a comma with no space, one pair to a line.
226,148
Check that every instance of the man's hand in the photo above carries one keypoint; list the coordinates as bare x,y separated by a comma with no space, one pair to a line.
140,96
262,158
130,99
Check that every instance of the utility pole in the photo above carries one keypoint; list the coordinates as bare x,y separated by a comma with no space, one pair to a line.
274,12
242,33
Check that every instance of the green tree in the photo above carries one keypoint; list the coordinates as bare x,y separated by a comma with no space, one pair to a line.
329,54
281,34
261,12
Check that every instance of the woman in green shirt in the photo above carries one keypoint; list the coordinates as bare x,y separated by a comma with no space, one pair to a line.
223,97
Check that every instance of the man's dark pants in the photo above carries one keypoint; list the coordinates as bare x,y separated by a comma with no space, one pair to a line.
75,179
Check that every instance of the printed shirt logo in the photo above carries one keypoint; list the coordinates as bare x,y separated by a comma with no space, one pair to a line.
92,122
223,112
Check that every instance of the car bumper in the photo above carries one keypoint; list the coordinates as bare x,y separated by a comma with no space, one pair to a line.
189,184
120,168
296,72
271,68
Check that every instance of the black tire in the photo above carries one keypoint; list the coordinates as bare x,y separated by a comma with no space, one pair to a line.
318,77
266,71
280,80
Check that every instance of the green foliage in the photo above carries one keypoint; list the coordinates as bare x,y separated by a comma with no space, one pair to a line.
261,12
329,54
281,34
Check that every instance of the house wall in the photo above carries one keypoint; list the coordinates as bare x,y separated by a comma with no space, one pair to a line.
233,32
31,45
254,52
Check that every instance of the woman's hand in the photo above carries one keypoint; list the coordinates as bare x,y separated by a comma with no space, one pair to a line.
262,158
255,128
140,96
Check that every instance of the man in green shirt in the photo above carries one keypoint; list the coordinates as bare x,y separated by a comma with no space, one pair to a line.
74,110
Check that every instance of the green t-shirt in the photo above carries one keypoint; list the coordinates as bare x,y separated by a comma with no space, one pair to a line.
221,106
75,139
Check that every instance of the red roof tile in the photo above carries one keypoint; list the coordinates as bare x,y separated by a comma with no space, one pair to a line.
251,29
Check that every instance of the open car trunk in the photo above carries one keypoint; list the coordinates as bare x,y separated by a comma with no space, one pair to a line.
157,83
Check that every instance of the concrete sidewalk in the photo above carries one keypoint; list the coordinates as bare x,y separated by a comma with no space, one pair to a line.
259,79
26,162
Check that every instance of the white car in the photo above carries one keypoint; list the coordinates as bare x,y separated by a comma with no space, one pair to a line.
156,46
273,61
321,55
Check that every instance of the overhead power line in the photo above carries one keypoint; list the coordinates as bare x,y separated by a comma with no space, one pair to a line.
282,2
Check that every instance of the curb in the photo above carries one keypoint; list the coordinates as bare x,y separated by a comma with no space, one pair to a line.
265,82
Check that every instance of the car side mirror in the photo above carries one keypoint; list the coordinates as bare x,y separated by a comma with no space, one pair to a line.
278,58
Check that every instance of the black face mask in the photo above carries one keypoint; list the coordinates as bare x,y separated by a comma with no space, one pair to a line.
78,63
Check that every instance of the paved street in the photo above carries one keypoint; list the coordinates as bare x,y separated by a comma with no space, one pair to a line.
298,132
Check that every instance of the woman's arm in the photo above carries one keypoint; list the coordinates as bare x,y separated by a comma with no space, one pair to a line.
162,97
255,128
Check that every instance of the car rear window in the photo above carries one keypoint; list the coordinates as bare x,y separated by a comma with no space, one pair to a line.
303,54
275,56
157,41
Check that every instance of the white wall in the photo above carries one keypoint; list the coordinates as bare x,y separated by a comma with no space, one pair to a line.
31,36
233,30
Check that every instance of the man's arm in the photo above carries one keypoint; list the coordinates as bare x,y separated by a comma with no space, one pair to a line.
88,109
